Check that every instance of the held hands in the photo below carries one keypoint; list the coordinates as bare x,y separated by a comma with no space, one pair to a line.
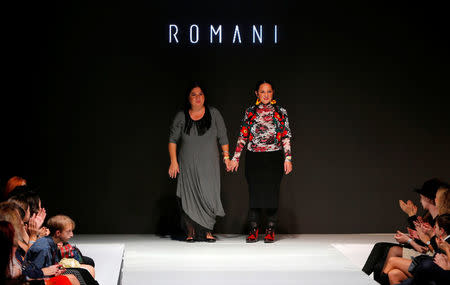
174,169
227,164
409,208
233,166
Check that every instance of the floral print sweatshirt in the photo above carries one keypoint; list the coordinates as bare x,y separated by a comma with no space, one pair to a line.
265,128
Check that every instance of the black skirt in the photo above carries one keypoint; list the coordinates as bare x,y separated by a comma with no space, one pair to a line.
264,171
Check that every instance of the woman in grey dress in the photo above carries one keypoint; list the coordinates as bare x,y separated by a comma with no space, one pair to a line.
196,130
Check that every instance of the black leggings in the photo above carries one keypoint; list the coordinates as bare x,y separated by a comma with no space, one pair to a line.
254,215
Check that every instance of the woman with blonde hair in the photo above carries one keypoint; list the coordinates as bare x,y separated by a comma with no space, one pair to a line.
443,200
10,213
11,266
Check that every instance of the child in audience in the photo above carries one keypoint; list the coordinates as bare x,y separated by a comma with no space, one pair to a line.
45,251
11,267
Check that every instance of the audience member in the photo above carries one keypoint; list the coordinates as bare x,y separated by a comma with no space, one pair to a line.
12,183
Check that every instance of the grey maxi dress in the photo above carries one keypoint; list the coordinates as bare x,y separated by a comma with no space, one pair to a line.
198,184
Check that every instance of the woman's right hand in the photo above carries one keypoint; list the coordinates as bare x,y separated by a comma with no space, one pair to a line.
174,169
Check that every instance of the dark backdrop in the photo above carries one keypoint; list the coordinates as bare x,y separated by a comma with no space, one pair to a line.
92,89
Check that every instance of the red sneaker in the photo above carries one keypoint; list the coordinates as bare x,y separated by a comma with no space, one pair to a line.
253,235
270,235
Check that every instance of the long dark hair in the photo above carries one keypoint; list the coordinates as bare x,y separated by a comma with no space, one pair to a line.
204,123
444,222
260,82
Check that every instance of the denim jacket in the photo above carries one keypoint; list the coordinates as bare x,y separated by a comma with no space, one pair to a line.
43,253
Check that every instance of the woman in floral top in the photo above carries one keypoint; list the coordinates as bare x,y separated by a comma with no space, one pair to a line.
266,134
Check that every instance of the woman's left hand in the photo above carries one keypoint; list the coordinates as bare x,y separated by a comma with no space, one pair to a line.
287,167
227,164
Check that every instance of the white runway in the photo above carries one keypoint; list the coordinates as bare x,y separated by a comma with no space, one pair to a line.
293,259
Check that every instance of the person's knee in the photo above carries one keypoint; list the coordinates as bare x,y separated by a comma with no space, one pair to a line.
89,268
395,251
392,263
395,259
396,276
73,280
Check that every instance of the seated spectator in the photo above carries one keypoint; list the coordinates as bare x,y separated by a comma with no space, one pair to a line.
29,232
443,200
24,208
9,212
45,251
30,196
381,252
33,223
11,266
12,183
8,270
423,268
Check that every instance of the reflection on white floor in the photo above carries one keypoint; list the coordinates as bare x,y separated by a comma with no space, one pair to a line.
293,259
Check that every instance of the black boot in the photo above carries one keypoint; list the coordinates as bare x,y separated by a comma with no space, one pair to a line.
270,235
253,234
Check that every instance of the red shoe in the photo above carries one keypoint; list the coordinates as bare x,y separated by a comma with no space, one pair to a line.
253,235
270,235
